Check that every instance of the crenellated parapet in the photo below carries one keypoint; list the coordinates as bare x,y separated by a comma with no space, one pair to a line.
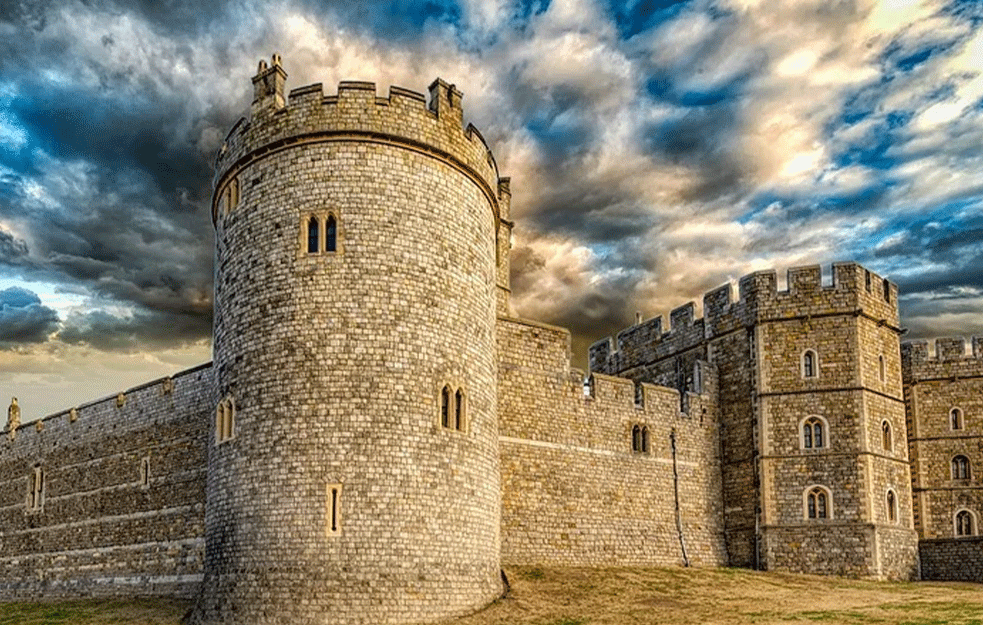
407,119
950,359
853,289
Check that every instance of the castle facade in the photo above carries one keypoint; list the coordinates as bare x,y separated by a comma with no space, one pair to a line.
378,434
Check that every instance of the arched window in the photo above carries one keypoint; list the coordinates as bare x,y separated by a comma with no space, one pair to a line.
886,435
313,238
459,410
636,438
818,503
880,366
809,364
645,439
960,468
224,421
965,525
813,433
445,407
892,507
956,419
331,234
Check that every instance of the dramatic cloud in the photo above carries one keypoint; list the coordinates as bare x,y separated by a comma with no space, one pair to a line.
23,318
657,149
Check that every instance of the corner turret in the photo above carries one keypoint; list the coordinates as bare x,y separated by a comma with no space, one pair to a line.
268,87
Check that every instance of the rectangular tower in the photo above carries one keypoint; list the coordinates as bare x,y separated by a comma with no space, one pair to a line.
813,456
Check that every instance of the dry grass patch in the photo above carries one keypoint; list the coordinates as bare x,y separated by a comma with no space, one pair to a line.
629,596
96,612
671,596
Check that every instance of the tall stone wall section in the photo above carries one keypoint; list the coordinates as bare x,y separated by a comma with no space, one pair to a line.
342,497
106,523
756,343
935,384
573,490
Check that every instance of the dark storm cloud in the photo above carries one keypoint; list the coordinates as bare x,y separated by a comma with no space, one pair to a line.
120,158
23,318
107,332
12,250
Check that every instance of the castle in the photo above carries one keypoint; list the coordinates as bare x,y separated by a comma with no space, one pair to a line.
378,434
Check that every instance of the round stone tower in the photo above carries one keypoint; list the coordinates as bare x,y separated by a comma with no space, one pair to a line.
353,461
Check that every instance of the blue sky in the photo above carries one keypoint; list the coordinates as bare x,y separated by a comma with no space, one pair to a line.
657,149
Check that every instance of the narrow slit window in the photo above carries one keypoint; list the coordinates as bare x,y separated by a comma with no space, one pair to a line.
887,291
892,507
636,439
331,234
333,510
880,370
886,436
867,280
645,439
445,407
145,472
36,495
313,236
459,410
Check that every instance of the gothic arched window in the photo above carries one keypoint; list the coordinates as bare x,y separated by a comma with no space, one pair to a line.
645,439
813,433
445,407
809,364
817,503
960,468
886,436
964,523
956,419
331,234
313,235
892,507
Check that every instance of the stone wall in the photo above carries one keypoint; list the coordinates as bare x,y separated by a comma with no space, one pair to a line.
106,524
573,490
952,559
936,384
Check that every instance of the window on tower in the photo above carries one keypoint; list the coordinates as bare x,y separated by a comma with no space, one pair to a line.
965,523
886,436
814,433
956,419
960,468
810,363
331,234
313,235
818,503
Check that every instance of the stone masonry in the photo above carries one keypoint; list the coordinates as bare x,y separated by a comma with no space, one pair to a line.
379,433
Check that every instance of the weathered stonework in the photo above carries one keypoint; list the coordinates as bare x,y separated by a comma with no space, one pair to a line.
379,432
935,385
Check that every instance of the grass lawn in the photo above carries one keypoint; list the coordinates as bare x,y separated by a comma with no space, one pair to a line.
625,596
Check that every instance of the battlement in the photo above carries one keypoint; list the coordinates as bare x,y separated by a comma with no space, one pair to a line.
107,408
431,125
853,289
949,359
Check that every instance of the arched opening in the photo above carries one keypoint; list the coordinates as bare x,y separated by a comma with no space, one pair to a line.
445,407
960,468
645,439
636,439
965,525
892,507
886,436
813,433
459,410
817,503
809,362
313,235
331,234
956,419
